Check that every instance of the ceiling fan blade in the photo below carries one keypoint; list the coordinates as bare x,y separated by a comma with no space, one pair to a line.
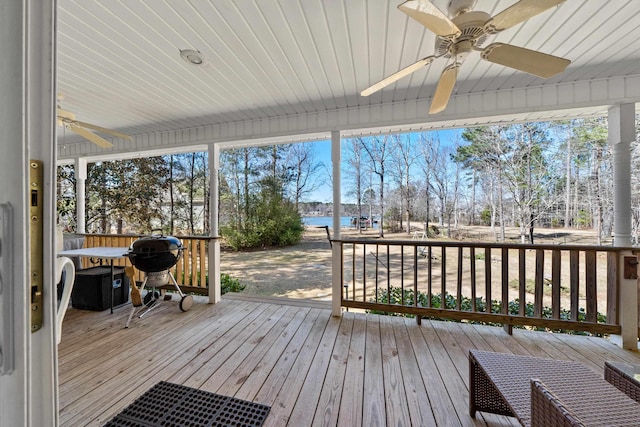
90,136
64,114
530,61
398,75
431,17
444,89
104,130
517,13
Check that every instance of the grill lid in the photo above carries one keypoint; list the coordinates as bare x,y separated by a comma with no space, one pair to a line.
155,253
153,244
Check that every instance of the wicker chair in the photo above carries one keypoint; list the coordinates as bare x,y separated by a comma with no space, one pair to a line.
548,411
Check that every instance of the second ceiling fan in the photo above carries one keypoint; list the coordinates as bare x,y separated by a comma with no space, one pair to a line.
68,120
465,33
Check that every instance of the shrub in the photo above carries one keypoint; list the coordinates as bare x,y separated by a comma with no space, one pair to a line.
229,284
396,296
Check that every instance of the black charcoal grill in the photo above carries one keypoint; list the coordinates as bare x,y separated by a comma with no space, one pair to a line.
155,256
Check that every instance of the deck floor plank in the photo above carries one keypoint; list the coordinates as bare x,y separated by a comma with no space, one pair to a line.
251,351
416,397
256,366
353,389
442,408
223,349
449,361
397,410
287,397
278,360
307,401
328,408
310,367
373,412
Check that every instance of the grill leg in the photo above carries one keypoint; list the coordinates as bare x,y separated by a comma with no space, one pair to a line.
134,308
175,284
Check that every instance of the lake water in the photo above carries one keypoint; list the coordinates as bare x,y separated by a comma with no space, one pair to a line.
321,221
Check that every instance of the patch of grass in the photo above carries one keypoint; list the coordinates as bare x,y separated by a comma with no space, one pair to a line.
530,287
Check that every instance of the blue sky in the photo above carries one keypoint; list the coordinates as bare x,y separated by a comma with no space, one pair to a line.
323,154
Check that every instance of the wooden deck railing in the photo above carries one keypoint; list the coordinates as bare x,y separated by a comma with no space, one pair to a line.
190,272
548,286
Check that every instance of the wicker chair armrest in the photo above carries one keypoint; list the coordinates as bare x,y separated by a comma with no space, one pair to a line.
622,381
547,410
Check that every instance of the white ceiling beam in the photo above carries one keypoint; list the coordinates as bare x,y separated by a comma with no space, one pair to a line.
565,100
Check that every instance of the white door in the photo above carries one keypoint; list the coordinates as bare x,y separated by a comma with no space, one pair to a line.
28,359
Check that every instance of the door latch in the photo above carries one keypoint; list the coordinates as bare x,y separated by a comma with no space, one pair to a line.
36,227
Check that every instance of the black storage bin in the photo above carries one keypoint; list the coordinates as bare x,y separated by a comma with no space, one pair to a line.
91,290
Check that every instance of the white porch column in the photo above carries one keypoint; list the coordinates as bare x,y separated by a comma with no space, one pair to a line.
336,270
81,178
214,245
621,133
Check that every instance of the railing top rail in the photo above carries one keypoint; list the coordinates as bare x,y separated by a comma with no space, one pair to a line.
209,238
456,244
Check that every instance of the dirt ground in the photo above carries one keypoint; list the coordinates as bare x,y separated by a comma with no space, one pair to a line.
304,270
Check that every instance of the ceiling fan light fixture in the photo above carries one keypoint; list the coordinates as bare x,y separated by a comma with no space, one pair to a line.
191,56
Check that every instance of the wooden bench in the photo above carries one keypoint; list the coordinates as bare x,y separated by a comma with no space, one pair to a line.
501,383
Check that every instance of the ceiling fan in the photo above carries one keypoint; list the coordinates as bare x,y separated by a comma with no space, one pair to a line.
465,33
68,120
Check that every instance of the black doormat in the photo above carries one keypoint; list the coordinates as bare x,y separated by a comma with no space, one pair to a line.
173,405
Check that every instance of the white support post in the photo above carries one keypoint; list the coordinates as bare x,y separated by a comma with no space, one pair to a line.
621,133
81,178
214,245
336,269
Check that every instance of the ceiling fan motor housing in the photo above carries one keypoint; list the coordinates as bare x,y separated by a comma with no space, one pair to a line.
456,7
471,25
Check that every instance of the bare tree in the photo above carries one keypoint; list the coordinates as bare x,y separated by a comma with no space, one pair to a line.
355,172
378,150
404,156
304,170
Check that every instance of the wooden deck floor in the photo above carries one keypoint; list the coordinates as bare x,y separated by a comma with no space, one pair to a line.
311,368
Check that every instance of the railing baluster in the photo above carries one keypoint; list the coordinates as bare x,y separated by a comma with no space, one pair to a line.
388,270
539,283
522,281
459,288
443,278
401,274
488,278
472,264
429,277
555,283
590,282
353,272
505,288
415,276
612,288
364,272
194,262
346,296
574,283
377,269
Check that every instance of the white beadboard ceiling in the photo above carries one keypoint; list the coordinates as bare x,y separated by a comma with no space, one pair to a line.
288,67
